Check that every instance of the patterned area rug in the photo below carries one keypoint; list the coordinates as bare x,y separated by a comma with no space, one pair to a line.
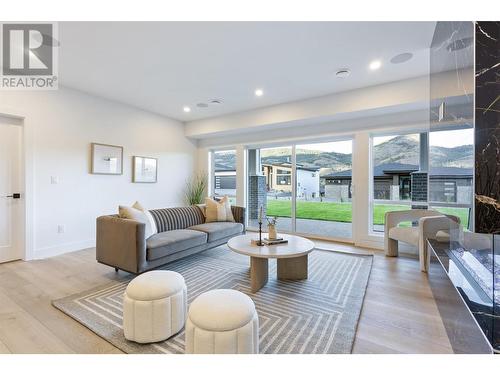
317,315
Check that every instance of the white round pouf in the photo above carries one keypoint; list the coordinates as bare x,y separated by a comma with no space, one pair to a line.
222,321
154,306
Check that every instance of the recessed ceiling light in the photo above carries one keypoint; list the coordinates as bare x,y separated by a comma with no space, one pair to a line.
186,109
401,58
215,101
375,64
259,92
342,73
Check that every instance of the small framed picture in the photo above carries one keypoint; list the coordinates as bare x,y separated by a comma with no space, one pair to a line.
106,159
144,169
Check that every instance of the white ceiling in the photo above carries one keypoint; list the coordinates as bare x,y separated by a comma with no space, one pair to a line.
163,66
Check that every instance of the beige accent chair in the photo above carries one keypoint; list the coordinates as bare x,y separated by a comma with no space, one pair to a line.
431,224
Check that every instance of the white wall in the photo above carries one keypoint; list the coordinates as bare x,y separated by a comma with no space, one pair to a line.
59,127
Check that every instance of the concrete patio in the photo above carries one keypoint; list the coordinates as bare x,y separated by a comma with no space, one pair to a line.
321,228
316,227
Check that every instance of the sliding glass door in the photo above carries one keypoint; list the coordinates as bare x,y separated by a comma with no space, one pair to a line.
270,186
324,189
307,187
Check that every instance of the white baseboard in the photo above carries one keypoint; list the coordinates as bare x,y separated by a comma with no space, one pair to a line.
50,251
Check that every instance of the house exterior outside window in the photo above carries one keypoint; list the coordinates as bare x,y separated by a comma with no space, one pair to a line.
393,182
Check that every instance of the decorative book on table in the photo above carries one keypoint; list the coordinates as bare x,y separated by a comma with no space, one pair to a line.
275,241
267,241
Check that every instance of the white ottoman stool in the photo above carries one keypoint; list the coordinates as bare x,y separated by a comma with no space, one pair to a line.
222,321
154,306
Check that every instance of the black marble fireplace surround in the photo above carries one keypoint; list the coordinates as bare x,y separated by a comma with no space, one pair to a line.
487,128
465,306
465,273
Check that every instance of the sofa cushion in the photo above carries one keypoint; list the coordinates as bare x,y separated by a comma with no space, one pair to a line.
167,243
408,235
218,230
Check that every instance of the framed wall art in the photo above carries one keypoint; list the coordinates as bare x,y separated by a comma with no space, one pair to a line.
106,159
145,169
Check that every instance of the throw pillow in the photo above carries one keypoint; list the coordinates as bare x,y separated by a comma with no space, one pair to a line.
131,213
218,211
152,221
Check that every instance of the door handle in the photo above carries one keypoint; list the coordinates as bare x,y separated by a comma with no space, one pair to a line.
14,196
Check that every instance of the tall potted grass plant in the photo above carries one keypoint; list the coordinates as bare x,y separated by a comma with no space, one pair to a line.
195,190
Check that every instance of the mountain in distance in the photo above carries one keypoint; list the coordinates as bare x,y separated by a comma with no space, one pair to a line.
225,160
405,150
401,149
325,161
460,156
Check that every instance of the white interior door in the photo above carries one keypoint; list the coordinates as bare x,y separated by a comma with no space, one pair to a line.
11,206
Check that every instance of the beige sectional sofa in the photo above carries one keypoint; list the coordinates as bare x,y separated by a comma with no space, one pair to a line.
182,231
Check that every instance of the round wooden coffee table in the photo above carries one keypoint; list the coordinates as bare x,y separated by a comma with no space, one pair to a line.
291,257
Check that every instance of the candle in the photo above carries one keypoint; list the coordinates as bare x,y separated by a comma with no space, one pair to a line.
260,214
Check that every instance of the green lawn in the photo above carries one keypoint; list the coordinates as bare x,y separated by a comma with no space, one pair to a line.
342,212
311,210
462,213
380,209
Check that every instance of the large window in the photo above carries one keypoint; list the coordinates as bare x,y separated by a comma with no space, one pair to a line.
395,159
224,174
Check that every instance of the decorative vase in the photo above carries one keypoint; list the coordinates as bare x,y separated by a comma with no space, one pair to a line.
272,231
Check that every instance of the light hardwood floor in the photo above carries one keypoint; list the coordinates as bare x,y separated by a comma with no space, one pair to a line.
399,313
